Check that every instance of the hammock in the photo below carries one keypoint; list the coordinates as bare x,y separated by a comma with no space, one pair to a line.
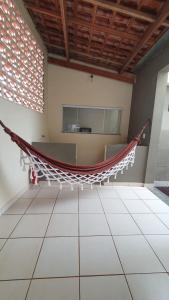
42,166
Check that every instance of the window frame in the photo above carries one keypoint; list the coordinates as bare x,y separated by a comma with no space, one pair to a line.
119,109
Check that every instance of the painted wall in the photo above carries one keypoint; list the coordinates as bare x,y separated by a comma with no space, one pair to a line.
72,87
143,103
27,123
152,161
134,174
162,170
165,118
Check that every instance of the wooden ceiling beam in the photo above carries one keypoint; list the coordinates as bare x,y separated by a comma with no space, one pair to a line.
101,28
64,23
126,11
92,27
43,11
129,78
108,60
90,62
152,28
55,16
79,22
122,54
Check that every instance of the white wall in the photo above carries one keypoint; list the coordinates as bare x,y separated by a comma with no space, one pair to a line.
66,86
29,124
162,170
165,118
158,162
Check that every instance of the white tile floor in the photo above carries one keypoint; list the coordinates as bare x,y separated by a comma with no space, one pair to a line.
106,243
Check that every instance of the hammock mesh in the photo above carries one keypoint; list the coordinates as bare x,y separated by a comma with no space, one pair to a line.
42,166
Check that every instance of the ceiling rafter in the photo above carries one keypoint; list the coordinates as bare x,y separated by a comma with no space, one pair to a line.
102,28
126,10
151,29
109,53
80,22
64,23
43,11
107,34
113,62
129,78
92,28
104,43
75,4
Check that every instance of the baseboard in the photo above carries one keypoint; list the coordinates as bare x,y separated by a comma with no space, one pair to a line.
12,200
124,184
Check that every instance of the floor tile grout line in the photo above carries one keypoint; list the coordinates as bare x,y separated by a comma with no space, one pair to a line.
147,241
18,222
84,236
43,239
108,235
85,213
156,198
34,196
82,276
156,214
79,242
37,189
116,249
138,196
151,211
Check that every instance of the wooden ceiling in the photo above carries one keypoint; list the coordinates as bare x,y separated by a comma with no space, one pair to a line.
112,34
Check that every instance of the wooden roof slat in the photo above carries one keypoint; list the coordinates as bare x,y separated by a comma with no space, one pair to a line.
126,10
115,63
129,78
106,61
107,34
92,27
162,16
43,11
64,23
78,21
101,28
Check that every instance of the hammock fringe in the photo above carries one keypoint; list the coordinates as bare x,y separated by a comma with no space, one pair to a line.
42,166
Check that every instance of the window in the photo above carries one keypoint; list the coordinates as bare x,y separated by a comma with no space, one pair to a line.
21,60
91,119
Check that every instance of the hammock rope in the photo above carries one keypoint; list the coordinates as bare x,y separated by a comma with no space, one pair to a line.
42,166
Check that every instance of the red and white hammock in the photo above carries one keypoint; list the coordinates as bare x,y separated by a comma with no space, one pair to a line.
42,166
